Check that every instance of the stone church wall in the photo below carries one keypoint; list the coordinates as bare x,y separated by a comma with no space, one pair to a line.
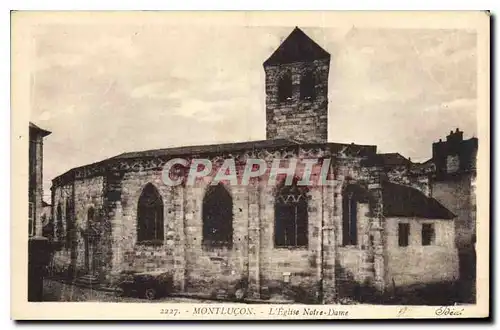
361,265
211,269
131,255
62,257
292,271
351,258
83,193
182,252
88,193
60,195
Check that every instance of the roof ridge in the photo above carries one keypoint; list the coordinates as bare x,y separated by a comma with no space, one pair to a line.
297,47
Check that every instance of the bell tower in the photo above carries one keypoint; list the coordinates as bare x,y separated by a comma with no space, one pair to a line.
297,90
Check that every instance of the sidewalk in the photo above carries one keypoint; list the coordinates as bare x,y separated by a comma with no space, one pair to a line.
62,289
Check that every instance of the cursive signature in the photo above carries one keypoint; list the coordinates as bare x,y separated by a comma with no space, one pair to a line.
448,311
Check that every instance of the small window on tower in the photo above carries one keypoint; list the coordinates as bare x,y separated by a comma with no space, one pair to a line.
285,87
307,87
452,163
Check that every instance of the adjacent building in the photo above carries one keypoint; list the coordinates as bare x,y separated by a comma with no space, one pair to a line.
36,136
454,181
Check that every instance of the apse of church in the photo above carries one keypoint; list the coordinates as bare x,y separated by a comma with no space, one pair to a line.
310,243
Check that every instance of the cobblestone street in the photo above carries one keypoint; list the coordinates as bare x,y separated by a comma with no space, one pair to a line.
57,291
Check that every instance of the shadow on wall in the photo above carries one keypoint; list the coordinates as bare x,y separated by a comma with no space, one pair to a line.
443,293
432,294
300,289
350,290
467,270
220,288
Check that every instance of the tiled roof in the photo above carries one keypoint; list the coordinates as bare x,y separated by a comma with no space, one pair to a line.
297,47
405,201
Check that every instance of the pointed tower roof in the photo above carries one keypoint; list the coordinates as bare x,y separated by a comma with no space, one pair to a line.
297,47
36,129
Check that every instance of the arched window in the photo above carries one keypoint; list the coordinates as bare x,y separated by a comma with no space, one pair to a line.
217,212
69,223
59,223
307,87
150,216
290,216
285,87
350,198
90,217
90,214
47,226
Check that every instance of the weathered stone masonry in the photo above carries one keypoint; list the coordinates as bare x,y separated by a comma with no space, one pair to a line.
306,120
98,205
317,269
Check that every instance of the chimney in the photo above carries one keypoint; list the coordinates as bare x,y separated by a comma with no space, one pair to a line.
456,136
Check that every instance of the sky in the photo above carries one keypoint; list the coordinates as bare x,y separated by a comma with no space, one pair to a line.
104,89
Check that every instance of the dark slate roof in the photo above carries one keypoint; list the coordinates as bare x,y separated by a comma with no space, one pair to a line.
388,160
405,201
353,149
38,129
297,47
394,159
209,148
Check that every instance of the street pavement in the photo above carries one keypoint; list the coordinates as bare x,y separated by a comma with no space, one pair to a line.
57,291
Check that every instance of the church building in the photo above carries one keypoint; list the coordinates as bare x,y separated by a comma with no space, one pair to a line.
375,228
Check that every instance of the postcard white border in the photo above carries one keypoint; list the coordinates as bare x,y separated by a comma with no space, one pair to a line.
23,22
